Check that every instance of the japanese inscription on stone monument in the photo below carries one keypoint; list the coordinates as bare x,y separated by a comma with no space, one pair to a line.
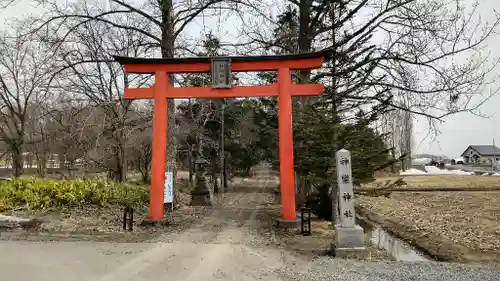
347,196
345,190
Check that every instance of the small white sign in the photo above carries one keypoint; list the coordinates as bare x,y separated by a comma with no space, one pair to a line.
168,192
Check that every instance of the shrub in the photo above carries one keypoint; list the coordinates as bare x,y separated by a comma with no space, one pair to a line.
40,194
320,203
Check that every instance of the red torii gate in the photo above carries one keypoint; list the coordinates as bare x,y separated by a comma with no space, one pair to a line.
221,87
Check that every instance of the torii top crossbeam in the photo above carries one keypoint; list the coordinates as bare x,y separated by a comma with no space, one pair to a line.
238,63
221,68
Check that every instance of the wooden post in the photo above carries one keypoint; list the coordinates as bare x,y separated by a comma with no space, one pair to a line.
286,145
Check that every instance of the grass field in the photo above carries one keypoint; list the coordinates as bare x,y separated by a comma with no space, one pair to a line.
458,226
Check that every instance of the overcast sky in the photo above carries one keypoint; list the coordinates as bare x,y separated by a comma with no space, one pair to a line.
457,132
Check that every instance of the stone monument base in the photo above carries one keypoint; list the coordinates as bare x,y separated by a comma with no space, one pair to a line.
349,242
349,253
349,237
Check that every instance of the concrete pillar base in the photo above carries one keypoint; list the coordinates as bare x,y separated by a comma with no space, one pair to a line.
288,224
154,223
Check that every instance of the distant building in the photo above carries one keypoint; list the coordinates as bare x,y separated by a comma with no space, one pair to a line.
481,154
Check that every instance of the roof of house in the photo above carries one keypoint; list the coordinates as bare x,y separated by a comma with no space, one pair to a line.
484,150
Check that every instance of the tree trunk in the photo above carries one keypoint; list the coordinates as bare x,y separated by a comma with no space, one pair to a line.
120,171
305,39
214,180
30,160
305,42
145,171
191,164
167,51
69,167
41,164
393,165
247,171
116,174
225,174
17,161
334,138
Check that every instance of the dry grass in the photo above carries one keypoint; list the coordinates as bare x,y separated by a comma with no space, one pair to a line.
459,226
445,181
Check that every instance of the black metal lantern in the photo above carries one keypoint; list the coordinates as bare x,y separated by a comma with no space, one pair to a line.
305,221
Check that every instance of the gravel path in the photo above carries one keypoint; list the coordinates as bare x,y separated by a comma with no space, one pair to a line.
348,270
232,243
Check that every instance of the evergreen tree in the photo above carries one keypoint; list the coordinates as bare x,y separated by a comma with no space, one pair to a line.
324,124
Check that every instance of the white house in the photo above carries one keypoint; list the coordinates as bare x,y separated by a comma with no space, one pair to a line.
481,154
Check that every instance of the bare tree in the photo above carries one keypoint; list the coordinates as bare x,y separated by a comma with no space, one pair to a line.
39,137
160,25
69,124
194,118
428,52
25,68
140,143
6,3
397,126
89,74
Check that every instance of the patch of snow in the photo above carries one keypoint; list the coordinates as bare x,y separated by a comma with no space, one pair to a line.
412,172
434,171
462,173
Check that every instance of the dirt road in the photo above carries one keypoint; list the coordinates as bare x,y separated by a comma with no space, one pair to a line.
231,243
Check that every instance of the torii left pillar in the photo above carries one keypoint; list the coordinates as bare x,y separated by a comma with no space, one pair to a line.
159,147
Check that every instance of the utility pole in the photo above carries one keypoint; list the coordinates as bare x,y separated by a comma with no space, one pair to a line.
222,173
494,162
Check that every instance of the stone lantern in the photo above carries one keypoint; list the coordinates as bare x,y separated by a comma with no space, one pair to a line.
200,196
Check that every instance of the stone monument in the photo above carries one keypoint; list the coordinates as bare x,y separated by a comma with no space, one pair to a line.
200,196
349,237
